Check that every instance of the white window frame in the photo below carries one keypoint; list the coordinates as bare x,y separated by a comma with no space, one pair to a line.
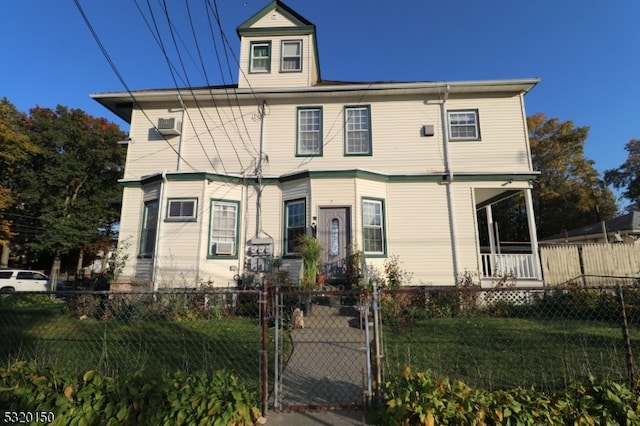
309,130
182,203
463,125
294,229
354,127
372,221
297,57
252,57
223,232
149,229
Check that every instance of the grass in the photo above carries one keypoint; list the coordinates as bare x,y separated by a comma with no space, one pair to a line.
44,332
502,353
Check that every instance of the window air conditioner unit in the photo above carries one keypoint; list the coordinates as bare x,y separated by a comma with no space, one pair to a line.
224,248
169,126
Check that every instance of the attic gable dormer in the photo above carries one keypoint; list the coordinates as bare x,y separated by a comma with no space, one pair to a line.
278,48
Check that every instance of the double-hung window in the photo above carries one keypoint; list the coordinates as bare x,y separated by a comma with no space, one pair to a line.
260,57
309,131
291,56
181,209
295,224
373,241
464,125
357,130
149,228
223,233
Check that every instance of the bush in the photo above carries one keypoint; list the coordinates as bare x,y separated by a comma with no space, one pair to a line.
419,398
138,399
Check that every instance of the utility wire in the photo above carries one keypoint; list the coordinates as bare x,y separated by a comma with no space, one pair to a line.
120,78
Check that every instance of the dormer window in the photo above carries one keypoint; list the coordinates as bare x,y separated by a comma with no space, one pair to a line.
291,56
260,57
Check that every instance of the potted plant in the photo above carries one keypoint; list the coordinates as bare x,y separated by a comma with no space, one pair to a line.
309,249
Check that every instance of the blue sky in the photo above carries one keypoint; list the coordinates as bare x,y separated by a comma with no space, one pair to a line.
587,52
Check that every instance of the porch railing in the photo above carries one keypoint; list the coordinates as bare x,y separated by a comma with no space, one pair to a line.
498,265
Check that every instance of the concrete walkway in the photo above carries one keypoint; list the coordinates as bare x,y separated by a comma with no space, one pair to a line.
324,381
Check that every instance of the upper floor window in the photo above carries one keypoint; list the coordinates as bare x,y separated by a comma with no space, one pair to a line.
295,224
181,209
260,57
357,130
291,54
309,131
149,227
223,232
373,227
464,125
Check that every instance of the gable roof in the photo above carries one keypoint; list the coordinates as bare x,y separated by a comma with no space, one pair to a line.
301,23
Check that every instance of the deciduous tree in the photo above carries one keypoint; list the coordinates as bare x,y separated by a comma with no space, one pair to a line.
15,150
627,176
568,193
68,188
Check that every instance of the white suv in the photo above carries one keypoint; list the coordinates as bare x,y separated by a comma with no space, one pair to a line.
22,280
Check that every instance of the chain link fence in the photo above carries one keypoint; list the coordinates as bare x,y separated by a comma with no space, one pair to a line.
123,333
509,337
490,338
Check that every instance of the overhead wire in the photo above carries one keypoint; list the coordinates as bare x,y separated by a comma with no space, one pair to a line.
114,68
190,89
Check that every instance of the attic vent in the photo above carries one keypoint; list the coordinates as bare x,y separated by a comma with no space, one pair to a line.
169,126
224,248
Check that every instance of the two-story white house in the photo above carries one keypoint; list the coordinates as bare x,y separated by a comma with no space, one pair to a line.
219,181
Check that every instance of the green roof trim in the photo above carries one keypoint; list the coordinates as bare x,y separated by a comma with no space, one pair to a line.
291,14
265,31
332,174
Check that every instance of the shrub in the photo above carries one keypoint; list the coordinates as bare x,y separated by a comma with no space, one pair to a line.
139,399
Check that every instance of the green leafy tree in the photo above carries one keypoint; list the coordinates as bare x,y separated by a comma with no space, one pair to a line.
15,151
68,190
627,176
568,193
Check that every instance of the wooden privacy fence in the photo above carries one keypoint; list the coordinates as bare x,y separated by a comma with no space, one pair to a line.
563,264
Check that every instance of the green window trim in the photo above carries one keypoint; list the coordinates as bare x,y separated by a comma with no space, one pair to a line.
182,210
291,56
357,130
374,240
260,57
149,229
295,224
309,141
223,238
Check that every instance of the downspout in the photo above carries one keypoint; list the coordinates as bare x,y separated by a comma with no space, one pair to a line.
156,254
448,181
179,163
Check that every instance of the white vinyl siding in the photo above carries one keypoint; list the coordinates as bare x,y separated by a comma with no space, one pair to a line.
291,56
309,131
357,130
223,233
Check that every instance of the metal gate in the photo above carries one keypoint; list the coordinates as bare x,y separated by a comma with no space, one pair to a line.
323,363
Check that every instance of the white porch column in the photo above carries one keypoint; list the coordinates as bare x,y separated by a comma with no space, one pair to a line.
533,235
492,240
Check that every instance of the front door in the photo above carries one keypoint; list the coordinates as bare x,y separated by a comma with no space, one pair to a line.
334,232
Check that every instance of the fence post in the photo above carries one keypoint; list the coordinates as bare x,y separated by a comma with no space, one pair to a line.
264,313
377,331
631,376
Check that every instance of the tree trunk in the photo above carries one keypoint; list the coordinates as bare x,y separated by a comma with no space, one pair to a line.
4,258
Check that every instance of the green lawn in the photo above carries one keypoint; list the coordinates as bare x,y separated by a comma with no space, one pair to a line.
45,333
501,353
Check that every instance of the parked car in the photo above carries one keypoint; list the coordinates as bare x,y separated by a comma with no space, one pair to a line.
12,280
